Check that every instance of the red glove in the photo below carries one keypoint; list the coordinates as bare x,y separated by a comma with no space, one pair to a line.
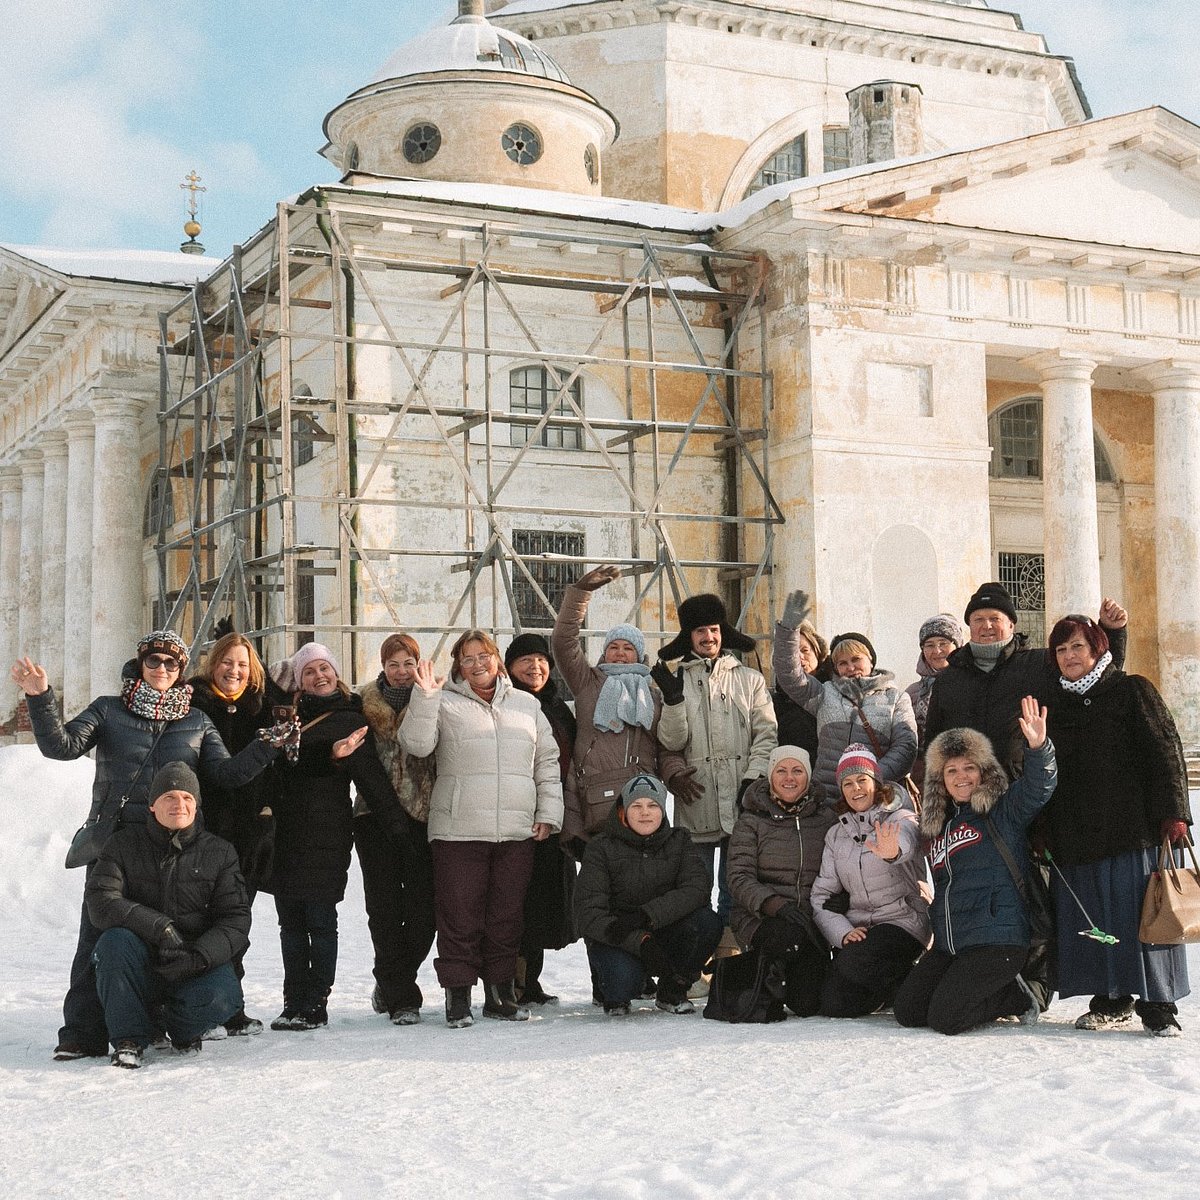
1174,830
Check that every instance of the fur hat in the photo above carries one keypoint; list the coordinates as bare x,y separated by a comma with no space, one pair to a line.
820,646
991,595
942,625
857,759
312,652
853,637
527,643
959,743
782,752
645,787
627,633
696,611
163,641
175,777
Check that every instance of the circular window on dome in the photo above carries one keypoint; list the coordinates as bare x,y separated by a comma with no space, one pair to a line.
421,143
591,164
522,144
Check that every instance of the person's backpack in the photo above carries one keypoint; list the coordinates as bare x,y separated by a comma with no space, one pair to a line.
745,989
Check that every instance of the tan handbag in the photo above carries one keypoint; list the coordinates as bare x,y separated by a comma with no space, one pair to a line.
1171,909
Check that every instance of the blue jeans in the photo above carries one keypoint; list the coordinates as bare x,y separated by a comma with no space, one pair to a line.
308,941
688,943
129,990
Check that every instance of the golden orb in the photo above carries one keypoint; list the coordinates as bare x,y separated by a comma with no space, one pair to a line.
191,228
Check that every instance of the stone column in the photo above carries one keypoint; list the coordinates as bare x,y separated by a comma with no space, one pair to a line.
1176,390
53,445
10,572
1072,537
116,537
77,586
29,623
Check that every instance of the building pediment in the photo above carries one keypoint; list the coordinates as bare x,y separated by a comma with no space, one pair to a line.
27,293
1131,181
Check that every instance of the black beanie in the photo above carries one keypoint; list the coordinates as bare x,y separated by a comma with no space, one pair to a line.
175,777
527,643
854,637
991,595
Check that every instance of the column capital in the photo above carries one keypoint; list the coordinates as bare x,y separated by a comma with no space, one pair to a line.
53,443
117,407
1061,364
1171,373
79,422
30,463
10,478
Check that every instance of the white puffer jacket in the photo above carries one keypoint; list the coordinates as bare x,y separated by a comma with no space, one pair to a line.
497,763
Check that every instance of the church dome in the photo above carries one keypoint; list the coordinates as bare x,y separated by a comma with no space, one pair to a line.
472,103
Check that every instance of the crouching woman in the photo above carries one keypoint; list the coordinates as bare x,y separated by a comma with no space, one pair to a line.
980,924
642,902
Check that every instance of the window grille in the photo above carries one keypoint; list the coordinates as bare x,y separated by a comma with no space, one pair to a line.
835,146
789,162
530,391
1015,432
552,577
1024,575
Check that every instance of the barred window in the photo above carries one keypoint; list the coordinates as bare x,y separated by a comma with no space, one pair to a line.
306,599
160,506
1015,433
835,147
1024,575
552,577
788,162
531,391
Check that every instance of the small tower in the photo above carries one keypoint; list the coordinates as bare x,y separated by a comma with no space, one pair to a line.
191,185
885,122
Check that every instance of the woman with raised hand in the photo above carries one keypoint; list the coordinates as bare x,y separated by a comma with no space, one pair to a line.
976,824
1122,791
314,830
397,887
497,793
149,724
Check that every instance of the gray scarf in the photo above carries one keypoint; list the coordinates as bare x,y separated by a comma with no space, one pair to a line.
625,698
987,655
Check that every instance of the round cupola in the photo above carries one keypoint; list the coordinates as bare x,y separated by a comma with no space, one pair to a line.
472,103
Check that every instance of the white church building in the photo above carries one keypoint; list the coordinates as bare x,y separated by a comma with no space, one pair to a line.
849,295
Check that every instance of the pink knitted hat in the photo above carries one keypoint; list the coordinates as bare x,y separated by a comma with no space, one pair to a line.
857,759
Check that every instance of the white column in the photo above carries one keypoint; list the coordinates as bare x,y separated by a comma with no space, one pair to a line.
77,586
116,538
10,573
29,623
1072,538
53,445
1176,389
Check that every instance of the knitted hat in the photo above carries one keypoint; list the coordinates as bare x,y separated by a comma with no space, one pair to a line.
696,611
175,777
852,637
784,752
942,626
809,633
163,641
645,787
991,595
630,634
312,652
857,759
527,643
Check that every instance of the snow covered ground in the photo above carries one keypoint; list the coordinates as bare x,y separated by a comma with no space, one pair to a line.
573,1104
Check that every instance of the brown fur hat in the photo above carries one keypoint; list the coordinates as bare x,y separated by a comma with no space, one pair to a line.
959,743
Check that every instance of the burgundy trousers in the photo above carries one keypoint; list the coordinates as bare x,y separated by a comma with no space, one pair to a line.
479,900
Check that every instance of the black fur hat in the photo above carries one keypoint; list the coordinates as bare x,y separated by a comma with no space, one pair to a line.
705,609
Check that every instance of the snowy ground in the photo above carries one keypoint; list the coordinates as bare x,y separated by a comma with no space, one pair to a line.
573,1104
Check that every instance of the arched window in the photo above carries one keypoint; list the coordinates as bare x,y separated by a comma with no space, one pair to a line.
160,505
788,162
533,391
1015,432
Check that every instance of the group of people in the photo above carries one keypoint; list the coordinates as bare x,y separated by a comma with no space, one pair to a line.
870,845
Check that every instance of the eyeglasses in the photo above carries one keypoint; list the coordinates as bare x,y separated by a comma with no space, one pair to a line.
470,660
155,661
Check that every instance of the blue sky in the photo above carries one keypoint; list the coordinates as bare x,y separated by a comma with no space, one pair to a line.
109,103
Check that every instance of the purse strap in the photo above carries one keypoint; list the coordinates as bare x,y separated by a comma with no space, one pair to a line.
1166,860
141,767
862,716
1018,876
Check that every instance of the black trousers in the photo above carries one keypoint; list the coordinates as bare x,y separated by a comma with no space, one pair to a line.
866,974
398,891
956,992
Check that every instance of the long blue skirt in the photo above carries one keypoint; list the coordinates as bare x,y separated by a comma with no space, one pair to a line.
1112,890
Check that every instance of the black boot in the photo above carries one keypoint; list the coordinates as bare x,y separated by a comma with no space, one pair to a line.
458,1007
500,1002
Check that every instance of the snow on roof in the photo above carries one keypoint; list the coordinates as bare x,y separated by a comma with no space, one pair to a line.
467,45
127,266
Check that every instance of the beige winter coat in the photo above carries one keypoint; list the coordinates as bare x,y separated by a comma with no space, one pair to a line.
725,728
411,777
497,762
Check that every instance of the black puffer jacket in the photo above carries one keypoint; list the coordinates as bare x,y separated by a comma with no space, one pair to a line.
1121,770
964,697
147,877
662,874
122,742
314,823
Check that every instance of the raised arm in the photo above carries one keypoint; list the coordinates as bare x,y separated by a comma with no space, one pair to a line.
418,732
565,641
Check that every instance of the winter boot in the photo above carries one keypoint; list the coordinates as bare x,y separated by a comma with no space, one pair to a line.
500,1003
127,1053
534,993
192,1047
405,1016
1106,1012
1034,1010
288,1020
377,1001
617,1008
458,1007
240,1025
1158,1018
315,1016
673,996
67,1051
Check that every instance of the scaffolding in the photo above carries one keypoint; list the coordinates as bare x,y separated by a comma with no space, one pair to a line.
335,425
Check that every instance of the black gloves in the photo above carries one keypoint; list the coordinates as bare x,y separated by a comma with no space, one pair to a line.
802,921
685,787
742,790
774,937
838,902
654,957
258,851
670,683
179,964
622,925
168,939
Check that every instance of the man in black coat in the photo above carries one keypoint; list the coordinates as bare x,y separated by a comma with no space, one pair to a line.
985,680
171,901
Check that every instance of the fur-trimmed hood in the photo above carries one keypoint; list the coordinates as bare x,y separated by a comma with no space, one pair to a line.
959,743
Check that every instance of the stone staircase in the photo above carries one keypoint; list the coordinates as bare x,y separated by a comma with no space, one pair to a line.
1193,770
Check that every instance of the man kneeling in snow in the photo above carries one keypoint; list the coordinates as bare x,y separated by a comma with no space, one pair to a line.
173,906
